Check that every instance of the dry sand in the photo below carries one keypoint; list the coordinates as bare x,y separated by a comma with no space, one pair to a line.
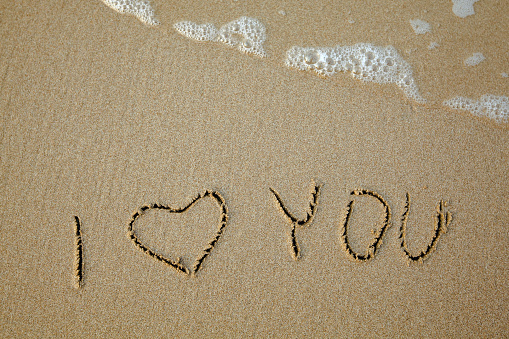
102,115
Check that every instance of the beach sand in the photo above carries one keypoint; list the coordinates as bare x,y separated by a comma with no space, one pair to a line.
102,115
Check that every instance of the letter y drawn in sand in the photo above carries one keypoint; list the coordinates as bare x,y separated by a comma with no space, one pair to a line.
298,222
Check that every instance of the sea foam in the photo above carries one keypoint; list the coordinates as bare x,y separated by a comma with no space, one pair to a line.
364,61
475,59
139,8
205,32
463,8
247,34
491,106
420,26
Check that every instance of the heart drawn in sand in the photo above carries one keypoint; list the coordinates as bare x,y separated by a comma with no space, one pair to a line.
176,264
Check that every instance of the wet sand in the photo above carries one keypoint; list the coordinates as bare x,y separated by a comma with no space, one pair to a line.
102,115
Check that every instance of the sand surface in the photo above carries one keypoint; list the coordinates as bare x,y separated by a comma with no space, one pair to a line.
101,115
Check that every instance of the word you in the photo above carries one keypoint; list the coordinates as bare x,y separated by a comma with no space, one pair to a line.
442,220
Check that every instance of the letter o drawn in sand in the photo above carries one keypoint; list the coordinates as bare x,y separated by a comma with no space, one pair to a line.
176,264
377,241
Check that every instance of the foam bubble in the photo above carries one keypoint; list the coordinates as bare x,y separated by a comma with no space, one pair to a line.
420,26
491,106
205,32
475,59
463,8
364,61
139,8
247,34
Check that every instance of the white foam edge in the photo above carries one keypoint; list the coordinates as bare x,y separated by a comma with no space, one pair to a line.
245,33
475,59
491,106
463,8
132,7
359,60
420,26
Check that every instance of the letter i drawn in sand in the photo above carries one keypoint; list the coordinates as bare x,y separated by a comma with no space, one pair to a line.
298,222
78,254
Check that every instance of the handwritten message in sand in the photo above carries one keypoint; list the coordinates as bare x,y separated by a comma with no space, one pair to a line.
442,220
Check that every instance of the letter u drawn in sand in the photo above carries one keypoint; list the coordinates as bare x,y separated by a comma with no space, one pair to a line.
442,220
